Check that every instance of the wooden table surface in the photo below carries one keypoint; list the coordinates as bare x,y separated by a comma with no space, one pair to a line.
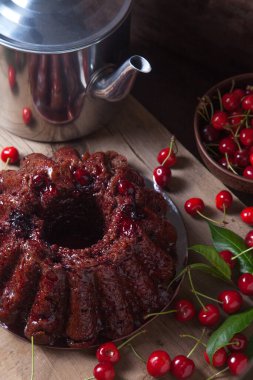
137,134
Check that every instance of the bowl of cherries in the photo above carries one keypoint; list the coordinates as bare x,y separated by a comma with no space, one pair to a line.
223,127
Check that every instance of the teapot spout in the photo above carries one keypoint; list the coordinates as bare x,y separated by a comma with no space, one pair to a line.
117,85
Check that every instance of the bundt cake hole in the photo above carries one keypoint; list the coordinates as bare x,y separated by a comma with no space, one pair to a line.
74,224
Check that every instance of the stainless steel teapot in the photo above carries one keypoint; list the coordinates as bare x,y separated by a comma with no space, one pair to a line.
60,64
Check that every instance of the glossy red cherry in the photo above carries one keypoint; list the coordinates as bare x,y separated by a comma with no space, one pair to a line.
185,310
209,316
219,120
167,157
236,119
126,187
10,154
210,134
219,358
104,371
194,205
242,158
247,103
248,172
231,101
249,239
237,363
12,76
227,255
39,182
239,93
182,367
247,215
108,352
251,159
227,146
27,115
224,200
246,136
158,363
82,176
162,175
239,342
231,301
223,161
245,283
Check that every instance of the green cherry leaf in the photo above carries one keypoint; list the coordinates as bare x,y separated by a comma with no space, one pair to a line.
232,325
211,255
209,270
225,239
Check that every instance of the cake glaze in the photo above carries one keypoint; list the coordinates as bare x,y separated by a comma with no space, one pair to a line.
85,248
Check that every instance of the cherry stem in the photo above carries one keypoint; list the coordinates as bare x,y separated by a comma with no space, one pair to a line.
161,313
229,165
6,163
210,220
198,342
136,353
224,214
193,289
130,339
32,372
192,337
242,253
177,277
232,85
171,149
220,100
207,297
217,373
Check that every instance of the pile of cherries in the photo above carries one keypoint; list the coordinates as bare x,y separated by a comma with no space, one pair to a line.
228,131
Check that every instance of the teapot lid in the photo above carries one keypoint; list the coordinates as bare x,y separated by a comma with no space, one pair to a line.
57,26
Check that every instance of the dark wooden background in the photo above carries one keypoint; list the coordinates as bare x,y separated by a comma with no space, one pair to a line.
191,44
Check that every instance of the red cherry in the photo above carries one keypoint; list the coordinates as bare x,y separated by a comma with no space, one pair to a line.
209,315
236,119
104,371
126,187
230,101
237,363
27,115
224,200
245,283
249,239
182,367
246,136
210,134
162,175
247,103
251,159
239,342
219,357
128,227
242,158
108,352
39,182
223,161
247,215
158,363
185,310
219,120
226,255
12,76
82,176
194,205
248,172
227,146
231,301
239,93
167,157
10,154
50,193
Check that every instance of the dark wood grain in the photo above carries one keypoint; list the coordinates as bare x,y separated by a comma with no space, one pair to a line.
191,44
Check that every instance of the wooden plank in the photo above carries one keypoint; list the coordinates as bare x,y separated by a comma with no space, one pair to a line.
139,136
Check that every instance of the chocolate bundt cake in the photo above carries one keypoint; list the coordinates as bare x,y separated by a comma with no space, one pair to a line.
85,249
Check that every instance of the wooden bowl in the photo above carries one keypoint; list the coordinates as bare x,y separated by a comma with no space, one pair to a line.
230,179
